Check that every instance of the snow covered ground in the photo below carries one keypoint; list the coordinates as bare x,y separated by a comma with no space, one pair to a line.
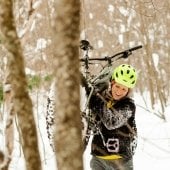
153,151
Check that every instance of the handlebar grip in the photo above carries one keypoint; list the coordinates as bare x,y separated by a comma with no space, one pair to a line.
135,48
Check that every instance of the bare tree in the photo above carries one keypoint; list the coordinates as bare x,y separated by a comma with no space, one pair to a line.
21,100
68,143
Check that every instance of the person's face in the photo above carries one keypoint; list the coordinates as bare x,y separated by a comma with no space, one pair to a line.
118,90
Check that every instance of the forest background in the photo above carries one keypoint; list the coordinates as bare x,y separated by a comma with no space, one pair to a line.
110,26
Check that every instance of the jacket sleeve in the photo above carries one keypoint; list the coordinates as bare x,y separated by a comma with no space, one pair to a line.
99,87
117,117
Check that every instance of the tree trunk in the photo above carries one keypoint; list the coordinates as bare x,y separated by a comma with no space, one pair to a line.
9,125
68,143
21,100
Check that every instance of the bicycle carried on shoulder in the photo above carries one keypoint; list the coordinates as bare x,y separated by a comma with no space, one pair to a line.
91,82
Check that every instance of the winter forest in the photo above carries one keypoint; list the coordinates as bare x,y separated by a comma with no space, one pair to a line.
40,72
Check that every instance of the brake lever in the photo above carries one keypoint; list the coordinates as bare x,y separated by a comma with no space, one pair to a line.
125,55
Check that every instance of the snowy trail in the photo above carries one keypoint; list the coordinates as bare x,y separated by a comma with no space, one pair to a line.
153,150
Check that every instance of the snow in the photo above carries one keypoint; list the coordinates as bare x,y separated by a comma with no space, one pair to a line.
90,15
153,150
120,37
36,4
100,43
110,8
123,11
41,43
155,57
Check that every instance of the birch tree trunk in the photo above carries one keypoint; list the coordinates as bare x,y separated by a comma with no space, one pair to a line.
21,100
68,143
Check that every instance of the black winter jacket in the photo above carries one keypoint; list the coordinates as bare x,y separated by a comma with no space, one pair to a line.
117,128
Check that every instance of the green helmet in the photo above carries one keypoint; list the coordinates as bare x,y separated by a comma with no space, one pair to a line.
125,75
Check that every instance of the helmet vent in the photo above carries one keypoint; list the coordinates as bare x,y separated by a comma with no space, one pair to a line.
128,71
131,76
121,72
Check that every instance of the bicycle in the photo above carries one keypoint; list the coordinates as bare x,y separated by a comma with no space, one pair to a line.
93,82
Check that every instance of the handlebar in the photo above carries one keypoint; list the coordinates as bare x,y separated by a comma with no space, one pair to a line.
135,48
124,54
